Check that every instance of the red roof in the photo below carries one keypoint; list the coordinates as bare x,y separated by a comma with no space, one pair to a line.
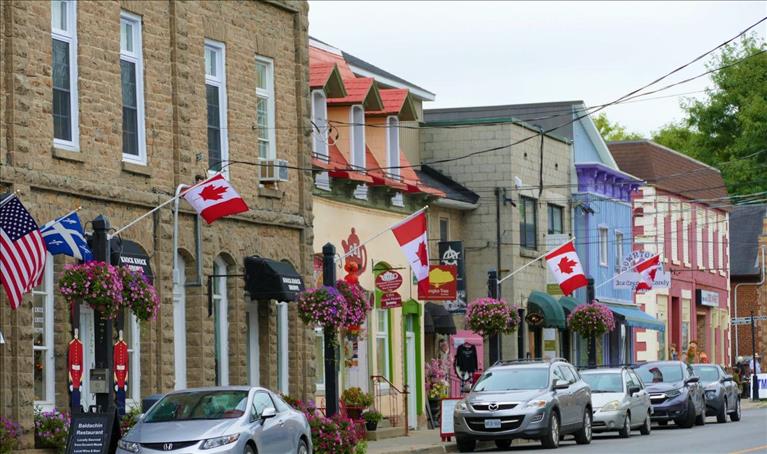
393,100
340,167
357,90
322,56
319,73
379,175
410,178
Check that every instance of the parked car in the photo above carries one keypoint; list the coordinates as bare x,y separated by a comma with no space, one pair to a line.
232,419
720,392
619,401
675,393
532,399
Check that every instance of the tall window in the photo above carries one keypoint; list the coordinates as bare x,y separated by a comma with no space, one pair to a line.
215,95
319,359
382,342
528,222
443,229
42,325
132,79
700,219
251,324
603,244
618,250
320,124
392,145
358,136
66,133
265,108
221,322
556,224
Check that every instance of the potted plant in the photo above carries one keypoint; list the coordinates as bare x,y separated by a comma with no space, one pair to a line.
490,316
436,384
95,283
372,418
355,401
139,294
51,429
357,305
593,319
128,420
323,306
10,434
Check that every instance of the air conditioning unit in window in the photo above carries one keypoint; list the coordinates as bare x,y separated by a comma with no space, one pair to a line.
272,170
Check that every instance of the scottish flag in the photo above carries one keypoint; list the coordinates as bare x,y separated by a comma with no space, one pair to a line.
65,236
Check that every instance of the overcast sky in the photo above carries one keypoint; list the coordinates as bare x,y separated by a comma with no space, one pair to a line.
485,53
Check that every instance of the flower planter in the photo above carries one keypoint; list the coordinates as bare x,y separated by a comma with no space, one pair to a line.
371,426
354,413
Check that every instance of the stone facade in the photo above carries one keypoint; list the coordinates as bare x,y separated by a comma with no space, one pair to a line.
54,181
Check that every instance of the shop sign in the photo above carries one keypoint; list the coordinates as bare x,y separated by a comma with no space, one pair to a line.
92,433
131,255
388,281
628,279
451,253
707,298
355,252
391,300
442,283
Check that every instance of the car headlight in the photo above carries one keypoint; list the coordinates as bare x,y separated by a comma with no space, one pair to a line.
461,406
219,441
711,394
538,403
671,393
611,406
128,446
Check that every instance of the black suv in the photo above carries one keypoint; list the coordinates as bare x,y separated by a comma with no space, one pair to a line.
532,399
675,393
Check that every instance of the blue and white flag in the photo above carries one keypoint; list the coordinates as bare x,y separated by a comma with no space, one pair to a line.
65,236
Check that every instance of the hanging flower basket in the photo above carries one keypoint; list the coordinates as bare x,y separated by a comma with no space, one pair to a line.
323,306
357,304
95,283
490,316
139,294
593,319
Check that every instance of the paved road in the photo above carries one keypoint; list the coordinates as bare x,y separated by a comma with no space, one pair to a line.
747,436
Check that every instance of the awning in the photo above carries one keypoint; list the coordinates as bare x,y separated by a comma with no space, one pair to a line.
543,303
568,303
131,255
268,279
441,320
633,316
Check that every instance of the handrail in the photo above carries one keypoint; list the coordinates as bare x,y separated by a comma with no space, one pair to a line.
380,378
392,413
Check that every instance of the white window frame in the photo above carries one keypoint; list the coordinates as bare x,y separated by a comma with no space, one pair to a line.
70,37
686,216
179,323
700,219
384,314
268,93
710,227
133,399
674,233
320,126
393,145
219,80
604,253
49,384
619,238
357,128
221,302
283,354
722,250
254,351
137,58
319,336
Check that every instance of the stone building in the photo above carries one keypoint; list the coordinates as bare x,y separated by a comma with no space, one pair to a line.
110,106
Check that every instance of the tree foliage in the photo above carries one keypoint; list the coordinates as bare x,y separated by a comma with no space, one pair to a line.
727,128
612,132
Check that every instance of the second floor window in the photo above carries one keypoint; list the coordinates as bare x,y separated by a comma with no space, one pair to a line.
392,142
358,136
215,95
528,222
132,81
443,229
320,124
618,251
64,74
556,224
603,242
267,148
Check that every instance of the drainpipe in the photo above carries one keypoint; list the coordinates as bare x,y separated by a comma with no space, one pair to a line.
737,352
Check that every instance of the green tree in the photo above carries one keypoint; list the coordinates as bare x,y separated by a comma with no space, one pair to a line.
612,132
727,128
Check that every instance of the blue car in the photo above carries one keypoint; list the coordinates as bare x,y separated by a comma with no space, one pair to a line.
675,393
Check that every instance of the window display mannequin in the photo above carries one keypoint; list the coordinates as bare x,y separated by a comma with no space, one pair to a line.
465,363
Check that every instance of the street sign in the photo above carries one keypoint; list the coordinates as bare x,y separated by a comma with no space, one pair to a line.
741,321
760,318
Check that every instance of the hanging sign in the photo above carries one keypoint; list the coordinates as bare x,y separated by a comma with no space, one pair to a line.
388,281
131,255
629,279
442,283
391,300
451,253
707,298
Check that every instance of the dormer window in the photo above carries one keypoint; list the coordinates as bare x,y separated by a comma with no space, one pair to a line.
392,145
320,124
357,136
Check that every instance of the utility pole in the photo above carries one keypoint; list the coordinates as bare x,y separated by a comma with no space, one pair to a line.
103,327
494,342
590,296
754,379
331,369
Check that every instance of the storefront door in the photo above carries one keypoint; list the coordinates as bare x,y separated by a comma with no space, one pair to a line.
251,321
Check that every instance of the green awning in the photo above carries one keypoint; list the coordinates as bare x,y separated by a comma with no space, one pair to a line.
545,304
568,303
634,316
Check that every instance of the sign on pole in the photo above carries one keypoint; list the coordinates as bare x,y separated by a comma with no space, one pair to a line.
741,321
760,318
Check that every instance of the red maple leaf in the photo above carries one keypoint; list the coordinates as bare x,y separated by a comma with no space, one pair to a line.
422,255
213,192
566,265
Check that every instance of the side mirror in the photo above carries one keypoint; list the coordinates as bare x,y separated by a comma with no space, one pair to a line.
692,380
633,390
726,378
268,413
561,384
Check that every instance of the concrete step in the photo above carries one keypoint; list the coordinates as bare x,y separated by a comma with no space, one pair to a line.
383,433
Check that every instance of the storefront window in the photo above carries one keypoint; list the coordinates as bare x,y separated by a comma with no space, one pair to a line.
42,324
382,343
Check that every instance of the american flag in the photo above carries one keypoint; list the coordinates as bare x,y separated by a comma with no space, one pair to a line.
22,251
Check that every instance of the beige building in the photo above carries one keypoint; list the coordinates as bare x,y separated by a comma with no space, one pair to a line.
110,106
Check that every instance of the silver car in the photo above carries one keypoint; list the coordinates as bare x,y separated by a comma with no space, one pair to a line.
232,419
620,401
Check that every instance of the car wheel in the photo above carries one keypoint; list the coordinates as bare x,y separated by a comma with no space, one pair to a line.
583,436
625,431
503,444
735,415
689,417
721,416
249,449
700,420
646,427
302,447
551,439
465,444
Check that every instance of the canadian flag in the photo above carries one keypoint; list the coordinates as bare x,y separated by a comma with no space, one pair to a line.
647,270
411,236
564,265
215,198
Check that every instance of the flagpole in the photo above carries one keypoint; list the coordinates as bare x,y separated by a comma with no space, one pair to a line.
130,224
624,272
356,248
58,220
532,261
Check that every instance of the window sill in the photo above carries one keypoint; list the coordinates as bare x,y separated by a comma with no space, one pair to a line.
136,169
67,155
270,193
529,253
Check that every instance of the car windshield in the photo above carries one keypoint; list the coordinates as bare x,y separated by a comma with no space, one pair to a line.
660,373
512,379
195,405
608,382
707,374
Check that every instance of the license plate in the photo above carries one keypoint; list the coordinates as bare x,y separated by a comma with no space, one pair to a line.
492,424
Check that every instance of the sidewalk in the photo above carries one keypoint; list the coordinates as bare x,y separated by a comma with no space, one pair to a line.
747,404
421,442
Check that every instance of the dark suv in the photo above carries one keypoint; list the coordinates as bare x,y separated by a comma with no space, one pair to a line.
532,399
675,393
